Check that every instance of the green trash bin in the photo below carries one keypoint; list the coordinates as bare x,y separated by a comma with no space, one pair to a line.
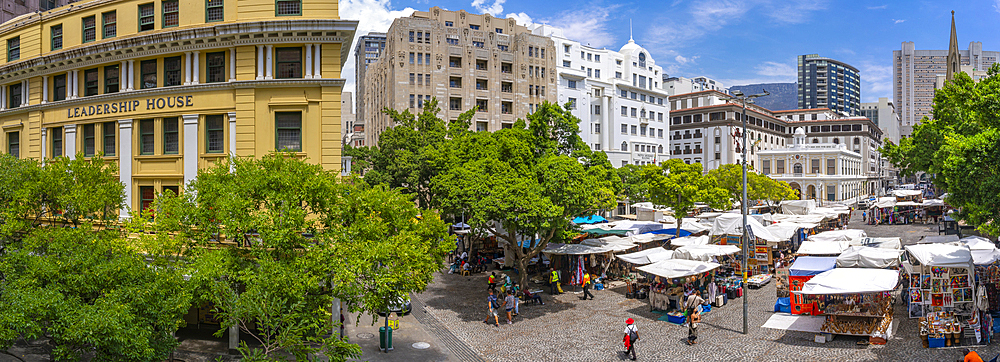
384,340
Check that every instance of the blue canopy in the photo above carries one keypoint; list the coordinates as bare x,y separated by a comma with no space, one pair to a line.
669,232
529,243
592,219
811,265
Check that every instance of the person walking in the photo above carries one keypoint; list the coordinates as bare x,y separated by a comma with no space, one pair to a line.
970,356
586,286
693,306
631,337
492,281
554,281
509,303
491,304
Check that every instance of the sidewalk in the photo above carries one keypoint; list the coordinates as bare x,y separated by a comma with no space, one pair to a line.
403,339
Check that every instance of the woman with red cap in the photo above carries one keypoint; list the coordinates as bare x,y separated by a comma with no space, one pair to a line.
631,336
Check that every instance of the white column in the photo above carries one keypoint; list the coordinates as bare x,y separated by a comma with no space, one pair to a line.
267,63
187,68
232,64
260,62
123,77
196,72
3,97
69,140
131,77
76,87
190,147
24,92
309,61
317,61
232,137
125,163
45,89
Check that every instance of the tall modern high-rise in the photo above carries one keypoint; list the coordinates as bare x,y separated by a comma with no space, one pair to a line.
829,83
10,9
369,49
463,60
915,73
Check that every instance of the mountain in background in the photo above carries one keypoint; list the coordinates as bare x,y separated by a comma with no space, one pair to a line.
783,96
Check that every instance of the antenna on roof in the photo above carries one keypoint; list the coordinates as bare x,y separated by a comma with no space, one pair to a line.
630,30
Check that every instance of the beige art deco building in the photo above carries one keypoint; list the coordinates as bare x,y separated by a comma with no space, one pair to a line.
464,60
164,88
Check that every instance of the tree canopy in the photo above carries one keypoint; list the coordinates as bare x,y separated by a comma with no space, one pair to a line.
761,187
679,186
959,146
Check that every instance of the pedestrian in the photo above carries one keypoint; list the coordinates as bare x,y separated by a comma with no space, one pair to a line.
509,303
970,356
554,281
631,337
492,282
693,306
491,303
586,286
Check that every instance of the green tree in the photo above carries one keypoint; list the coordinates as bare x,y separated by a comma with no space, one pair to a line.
959,146
679,186
761,187
525,183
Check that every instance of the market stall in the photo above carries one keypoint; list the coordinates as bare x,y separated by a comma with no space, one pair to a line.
805,268
689,240
647,256
728,230
940,279
676,278
855,301
869,257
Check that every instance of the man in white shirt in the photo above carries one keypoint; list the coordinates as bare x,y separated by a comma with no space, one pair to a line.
631,336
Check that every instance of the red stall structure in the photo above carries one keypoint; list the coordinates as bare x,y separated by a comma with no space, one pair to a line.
804,269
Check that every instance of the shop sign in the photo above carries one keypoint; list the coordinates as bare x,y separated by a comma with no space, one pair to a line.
149,104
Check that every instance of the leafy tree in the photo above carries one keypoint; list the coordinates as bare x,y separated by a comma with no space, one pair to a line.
89,291
761,187
634,187
679,186
959,146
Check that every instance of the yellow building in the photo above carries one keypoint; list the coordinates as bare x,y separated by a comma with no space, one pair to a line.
166,87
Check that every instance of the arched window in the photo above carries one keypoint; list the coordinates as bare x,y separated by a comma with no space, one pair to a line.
836,141
797,168
857,140
624,146
815,140
642,60
660,150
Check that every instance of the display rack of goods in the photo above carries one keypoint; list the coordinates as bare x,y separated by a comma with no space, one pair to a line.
856,326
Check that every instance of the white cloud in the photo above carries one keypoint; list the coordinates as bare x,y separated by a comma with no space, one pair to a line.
589,26
897,21
880,7
996,5
372,15
485,7
521,18
767,72
876,81
705,17
682,60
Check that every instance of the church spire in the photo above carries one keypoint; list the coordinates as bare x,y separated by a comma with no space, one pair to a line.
954,57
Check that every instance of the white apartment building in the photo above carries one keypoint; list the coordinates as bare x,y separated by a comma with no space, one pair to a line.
817,171
682,85
617,95
883,113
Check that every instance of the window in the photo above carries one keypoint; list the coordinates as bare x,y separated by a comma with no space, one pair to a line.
597,57
618,75
659,133
14,143
110,24
146,196
111,79
478,44
289,62
531,51
779,167
567,63
797,168
214,10
215,67
455,104
108,128
59,87
572,103
633,112
597,109
597,73
57,40
288,131
633,128
15,95
89,29
831,192
455,82
170,136
481,84
91,83
57,142
597,128
170,13
482,105
175,189
507,87
449,24
147,69
624,146
454,62
13,49
288,7
474,27
765,166
506,107
642,60
481,65
454,41
89,148
505,68
624,110
571,84
214,134
147,17
147,137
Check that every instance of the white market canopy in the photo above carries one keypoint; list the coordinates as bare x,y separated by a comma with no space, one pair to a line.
787,230
573,249
869,257
884,202
647,256
906,193
637,227
614,245
798,207
881,243
933,202
907,203
691,225
689,240
845,235
983,250
802,219
852,281
678,268
825,247
730,224
944,255
704,252
648,238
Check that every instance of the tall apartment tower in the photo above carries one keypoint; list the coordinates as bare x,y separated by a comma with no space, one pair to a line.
916,71
617,95
829,83
464,60
10,9
369,50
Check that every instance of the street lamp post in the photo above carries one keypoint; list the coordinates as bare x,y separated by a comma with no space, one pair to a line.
746,243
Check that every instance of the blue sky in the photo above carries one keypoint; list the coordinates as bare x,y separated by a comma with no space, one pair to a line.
736,42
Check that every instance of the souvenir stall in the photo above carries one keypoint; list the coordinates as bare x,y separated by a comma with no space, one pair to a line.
935,209
800,272
986,258
727,230
792,234
855,301
647,256
942,294
869,257
689,240
673,279
880,212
